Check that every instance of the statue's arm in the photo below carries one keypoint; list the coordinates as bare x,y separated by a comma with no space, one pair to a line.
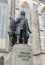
12,23
17,20
28,27
11,20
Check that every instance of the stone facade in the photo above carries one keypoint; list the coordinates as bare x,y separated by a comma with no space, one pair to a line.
36,26
37,39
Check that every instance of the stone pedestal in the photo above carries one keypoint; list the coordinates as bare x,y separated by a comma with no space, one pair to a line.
22,55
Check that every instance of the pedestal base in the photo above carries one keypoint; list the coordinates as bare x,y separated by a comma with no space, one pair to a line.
22,55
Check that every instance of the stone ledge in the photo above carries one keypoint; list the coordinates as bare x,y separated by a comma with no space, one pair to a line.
17,46
4,51
38,53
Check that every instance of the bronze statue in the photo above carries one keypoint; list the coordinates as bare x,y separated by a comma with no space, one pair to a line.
19,30
12,36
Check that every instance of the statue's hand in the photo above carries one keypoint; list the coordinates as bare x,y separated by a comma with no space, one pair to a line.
30,32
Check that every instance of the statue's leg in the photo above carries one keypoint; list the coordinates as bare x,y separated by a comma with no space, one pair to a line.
18,37
25,39
21,36
10,43
14,39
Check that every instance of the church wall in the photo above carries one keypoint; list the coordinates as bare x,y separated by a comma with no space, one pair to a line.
35,36
5,52
36,25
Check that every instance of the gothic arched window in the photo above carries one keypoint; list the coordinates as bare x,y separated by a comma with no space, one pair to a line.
3,23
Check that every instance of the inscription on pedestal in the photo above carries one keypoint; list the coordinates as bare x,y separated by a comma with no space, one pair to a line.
24,56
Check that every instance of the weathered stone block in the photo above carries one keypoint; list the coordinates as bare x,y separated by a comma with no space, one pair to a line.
22,55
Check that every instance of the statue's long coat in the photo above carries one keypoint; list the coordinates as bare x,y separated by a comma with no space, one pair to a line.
22,24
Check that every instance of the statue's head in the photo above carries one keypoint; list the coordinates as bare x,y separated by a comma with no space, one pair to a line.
22,14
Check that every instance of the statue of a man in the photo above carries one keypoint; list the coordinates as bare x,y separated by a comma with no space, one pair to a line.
19,30
22,29
12,36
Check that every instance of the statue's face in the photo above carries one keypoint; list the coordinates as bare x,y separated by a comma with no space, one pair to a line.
22,16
